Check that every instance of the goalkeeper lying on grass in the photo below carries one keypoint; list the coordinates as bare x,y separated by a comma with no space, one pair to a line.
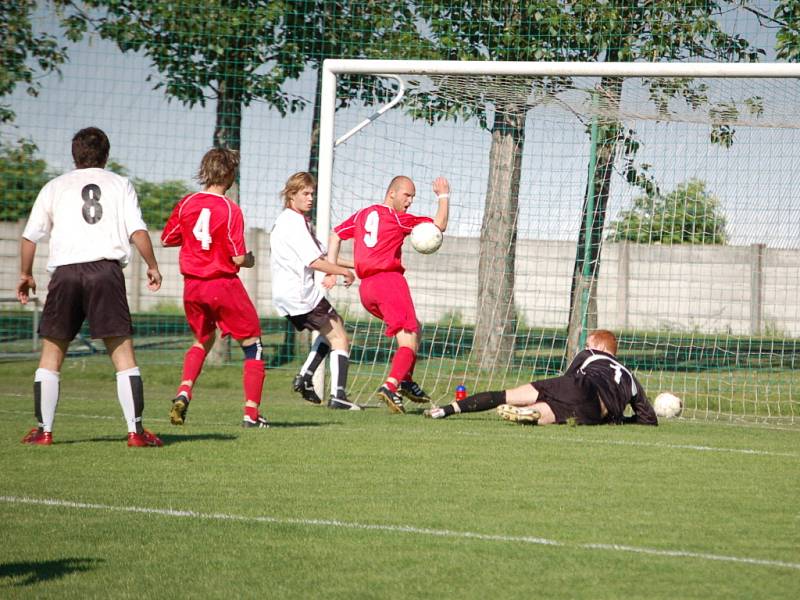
595,389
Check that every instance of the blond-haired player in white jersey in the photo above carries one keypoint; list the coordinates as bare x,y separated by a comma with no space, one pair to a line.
91,217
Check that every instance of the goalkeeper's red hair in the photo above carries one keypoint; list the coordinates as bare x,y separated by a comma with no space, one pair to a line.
602,339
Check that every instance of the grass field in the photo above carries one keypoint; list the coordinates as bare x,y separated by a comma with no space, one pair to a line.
331,504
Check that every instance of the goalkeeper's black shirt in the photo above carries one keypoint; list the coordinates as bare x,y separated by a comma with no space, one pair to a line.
594,377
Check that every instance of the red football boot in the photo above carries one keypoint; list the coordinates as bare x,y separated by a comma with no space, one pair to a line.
146,439
37,437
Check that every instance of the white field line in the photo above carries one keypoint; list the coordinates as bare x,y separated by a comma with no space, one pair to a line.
696,448
559,440
407,529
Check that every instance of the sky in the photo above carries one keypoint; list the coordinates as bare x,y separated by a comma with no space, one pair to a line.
756,180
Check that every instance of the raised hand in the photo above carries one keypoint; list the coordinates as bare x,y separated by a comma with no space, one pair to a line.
441,187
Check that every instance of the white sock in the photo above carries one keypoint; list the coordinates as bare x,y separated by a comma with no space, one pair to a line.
339,362
49,383
131,397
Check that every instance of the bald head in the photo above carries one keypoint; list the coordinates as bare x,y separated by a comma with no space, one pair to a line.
400,193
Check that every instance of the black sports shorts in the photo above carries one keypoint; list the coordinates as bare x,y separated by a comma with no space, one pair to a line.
569,400
93,291
322,314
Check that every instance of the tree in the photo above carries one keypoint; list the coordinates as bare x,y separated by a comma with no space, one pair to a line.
585,30
688,215
471,30
23,54
22,175
233,52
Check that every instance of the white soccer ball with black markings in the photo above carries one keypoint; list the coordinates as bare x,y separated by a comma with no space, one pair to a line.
426,238
667,406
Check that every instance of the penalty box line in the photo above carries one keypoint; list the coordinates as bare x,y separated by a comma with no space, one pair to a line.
408,529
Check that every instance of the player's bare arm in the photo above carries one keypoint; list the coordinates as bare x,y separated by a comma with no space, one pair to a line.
333,270
141,239
441,187
345,262
334,243
26,284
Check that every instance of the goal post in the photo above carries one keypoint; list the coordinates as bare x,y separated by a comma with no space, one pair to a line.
654,199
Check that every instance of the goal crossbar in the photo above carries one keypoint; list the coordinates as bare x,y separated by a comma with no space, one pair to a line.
575,69
331,68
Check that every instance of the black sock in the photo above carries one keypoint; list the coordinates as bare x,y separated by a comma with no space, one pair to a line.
339,364
137,389
37,403
482,401
318,353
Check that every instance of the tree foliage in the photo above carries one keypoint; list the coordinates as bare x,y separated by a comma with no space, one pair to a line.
233,52
198,52
24,55
690,214
22,175
787,44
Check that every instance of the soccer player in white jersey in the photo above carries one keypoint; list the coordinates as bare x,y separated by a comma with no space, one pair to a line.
295,253
595,389
91,216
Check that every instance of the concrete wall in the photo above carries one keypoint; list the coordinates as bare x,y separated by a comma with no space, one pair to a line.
724,289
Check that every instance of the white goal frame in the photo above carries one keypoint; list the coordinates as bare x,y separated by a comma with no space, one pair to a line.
332,68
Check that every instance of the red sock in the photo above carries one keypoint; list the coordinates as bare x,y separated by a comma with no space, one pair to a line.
192,365
401,363
253,384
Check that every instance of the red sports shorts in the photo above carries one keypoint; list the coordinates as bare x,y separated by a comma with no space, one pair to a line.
386,295
223,303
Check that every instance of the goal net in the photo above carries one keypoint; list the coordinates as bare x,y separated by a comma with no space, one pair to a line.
662,208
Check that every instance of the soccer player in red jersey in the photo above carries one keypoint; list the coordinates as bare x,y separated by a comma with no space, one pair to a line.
209,228
378,232
92,217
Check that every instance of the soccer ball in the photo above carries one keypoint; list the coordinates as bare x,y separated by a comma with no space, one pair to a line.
668,405
426,238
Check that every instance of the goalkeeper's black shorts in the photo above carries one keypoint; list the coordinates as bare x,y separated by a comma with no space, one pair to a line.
569,399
